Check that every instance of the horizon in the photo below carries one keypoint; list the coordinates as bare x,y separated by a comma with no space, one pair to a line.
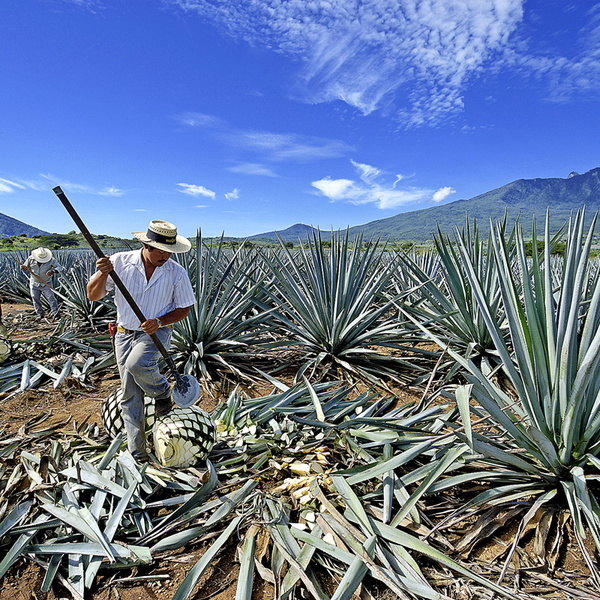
247,118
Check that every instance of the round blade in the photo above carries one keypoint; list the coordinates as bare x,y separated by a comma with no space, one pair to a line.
185,391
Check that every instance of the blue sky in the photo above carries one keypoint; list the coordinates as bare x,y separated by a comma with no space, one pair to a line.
248,116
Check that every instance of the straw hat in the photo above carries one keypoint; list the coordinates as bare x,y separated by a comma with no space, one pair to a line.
42,255
163,235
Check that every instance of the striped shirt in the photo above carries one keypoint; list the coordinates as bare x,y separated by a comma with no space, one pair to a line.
169,288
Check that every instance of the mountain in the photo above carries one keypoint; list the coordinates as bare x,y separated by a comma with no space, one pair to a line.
10,227
291,234
521,199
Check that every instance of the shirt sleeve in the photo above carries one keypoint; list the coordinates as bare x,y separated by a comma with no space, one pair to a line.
110,282
183,295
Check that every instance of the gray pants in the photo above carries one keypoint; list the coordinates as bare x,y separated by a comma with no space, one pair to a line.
36,296
137,358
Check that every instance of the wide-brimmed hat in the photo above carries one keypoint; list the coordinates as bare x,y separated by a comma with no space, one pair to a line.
42,255
163,235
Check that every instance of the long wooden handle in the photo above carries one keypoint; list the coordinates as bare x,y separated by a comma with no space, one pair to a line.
98,251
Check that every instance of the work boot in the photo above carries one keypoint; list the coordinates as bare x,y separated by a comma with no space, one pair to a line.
162,406
140,456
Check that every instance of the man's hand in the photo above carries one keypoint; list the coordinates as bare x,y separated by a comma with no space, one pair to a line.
150,326
104,265
96,286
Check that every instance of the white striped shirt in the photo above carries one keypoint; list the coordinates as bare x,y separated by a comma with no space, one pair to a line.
169,288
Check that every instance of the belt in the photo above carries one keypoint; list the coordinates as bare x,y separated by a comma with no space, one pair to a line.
123,330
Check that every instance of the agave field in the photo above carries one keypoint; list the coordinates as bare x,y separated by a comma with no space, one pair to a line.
390,425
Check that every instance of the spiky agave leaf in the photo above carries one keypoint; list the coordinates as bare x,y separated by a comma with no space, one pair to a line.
549,427
222,328
328,304
71,289
446,301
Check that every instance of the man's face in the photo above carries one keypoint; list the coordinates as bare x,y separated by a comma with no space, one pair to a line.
156,257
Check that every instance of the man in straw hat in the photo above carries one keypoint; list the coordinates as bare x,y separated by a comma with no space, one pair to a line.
41,265
162,290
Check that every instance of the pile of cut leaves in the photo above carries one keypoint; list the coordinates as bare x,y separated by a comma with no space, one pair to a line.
307,482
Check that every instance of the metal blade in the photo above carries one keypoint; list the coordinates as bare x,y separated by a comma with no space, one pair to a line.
185,391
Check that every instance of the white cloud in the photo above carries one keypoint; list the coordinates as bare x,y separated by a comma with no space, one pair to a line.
442,194
375,53
253,169
111,191
338,189
366,172
196,190
272,146
7,186
42,185
370,191
233,195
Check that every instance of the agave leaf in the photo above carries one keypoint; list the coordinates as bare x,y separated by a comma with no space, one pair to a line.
246,576
408,541
388,484
64,373
352,502
13,554
25,376
382,574
110,452
463,396
450,457
407,570
50,573
315,399
82,522
90,476
109,531
311,584
303,558
185,590
14,516
355,574
383,466
230,501
129,552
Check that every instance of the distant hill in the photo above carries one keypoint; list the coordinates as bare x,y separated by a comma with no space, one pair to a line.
291,234
10,227
522,198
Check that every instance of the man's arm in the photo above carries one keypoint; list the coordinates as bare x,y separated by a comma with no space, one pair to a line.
150,326
55,267
96,287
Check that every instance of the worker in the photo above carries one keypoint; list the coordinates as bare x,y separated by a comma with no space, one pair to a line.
162,290
41,265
